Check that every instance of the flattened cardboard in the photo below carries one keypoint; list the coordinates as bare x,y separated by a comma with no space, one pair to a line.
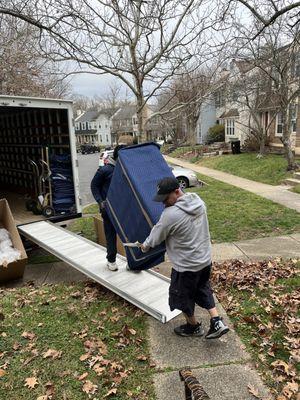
98,222
14,270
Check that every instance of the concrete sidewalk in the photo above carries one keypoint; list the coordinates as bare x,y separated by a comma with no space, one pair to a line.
278,194
222,366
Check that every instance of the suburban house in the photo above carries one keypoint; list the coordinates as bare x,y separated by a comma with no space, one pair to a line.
227,106
95,127
125,122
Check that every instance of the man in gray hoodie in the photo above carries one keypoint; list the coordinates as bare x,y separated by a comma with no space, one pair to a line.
183,226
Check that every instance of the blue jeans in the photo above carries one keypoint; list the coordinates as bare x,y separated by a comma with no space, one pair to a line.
111,237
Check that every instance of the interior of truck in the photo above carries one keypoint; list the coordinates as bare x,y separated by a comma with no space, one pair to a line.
35,163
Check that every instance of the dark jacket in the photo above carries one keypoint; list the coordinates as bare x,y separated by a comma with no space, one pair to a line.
101,181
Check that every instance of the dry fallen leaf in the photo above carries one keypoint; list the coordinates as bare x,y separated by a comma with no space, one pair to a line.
111,392
83,376
89,387
28,335
253,391
49,389
51,353
2,372
84,357
31,382
141,358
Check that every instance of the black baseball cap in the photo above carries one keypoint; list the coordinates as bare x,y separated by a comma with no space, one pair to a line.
165,187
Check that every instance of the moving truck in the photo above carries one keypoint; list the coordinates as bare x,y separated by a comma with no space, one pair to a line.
38,159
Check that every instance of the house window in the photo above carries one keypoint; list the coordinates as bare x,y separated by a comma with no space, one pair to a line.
219,99
279,124
101,138
100,126
295,66
107,138
293,113
83,126
135,122
89,125
230,127
77,126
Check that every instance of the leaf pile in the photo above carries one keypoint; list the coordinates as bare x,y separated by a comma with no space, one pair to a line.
263,298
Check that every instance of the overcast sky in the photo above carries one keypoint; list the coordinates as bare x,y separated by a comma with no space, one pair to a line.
91,85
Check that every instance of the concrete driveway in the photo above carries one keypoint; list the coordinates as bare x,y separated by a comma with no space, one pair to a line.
88,164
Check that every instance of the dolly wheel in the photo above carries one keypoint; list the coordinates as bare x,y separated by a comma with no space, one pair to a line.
36,209
30,203
48,211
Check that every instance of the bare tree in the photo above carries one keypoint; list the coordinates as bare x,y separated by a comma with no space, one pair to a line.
113,98
142,43
22,70
248,89
269,11
275,57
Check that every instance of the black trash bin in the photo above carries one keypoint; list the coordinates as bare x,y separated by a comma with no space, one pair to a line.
236,147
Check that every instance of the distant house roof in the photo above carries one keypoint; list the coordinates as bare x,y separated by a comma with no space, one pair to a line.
88,116
108,111
233,112
125,112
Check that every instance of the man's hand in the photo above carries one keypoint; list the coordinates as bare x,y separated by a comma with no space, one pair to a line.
144,249
102,205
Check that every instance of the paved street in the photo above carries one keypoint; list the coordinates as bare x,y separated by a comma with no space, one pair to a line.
88,164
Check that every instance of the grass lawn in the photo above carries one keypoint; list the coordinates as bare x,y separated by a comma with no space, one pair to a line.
72,343
233,213
296,189
270,169
262,301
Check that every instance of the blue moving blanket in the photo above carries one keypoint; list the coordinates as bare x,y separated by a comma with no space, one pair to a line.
129,200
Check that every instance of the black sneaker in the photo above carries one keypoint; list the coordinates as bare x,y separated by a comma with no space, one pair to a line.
189,330
217,329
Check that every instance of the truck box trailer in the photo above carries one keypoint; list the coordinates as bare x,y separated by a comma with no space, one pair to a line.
35,133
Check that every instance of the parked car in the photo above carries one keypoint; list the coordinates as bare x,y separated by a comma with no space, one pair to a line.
186,177
88,149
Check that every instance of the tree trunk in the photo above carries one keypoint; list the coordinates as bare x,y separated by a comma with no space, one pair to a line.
140,116
286,141
191,131
289,155
262,146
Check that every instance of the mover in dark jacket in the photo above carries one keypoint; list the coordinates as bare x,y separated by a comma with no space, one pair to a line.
183,226
99,187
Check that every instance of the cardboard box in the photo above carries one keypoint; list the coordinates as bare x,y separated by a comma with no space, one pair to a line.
14,270
98,222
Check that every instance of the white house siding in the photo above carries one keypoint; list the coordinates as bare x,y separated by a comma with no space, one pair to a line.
207,118
104,130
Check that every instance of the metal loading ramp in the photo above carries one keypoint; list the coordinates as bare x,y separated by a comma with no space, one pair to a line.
147,290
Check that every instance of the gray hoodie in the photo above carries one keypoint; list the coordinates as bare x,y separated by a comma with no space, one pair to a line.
184,227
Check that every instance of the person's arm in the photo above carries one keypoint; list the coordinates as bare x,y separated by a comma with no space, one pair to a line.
96,185
158,234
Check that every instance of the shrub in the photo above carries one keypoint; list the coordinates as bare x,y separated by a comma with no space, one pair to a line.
126,139
216,133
